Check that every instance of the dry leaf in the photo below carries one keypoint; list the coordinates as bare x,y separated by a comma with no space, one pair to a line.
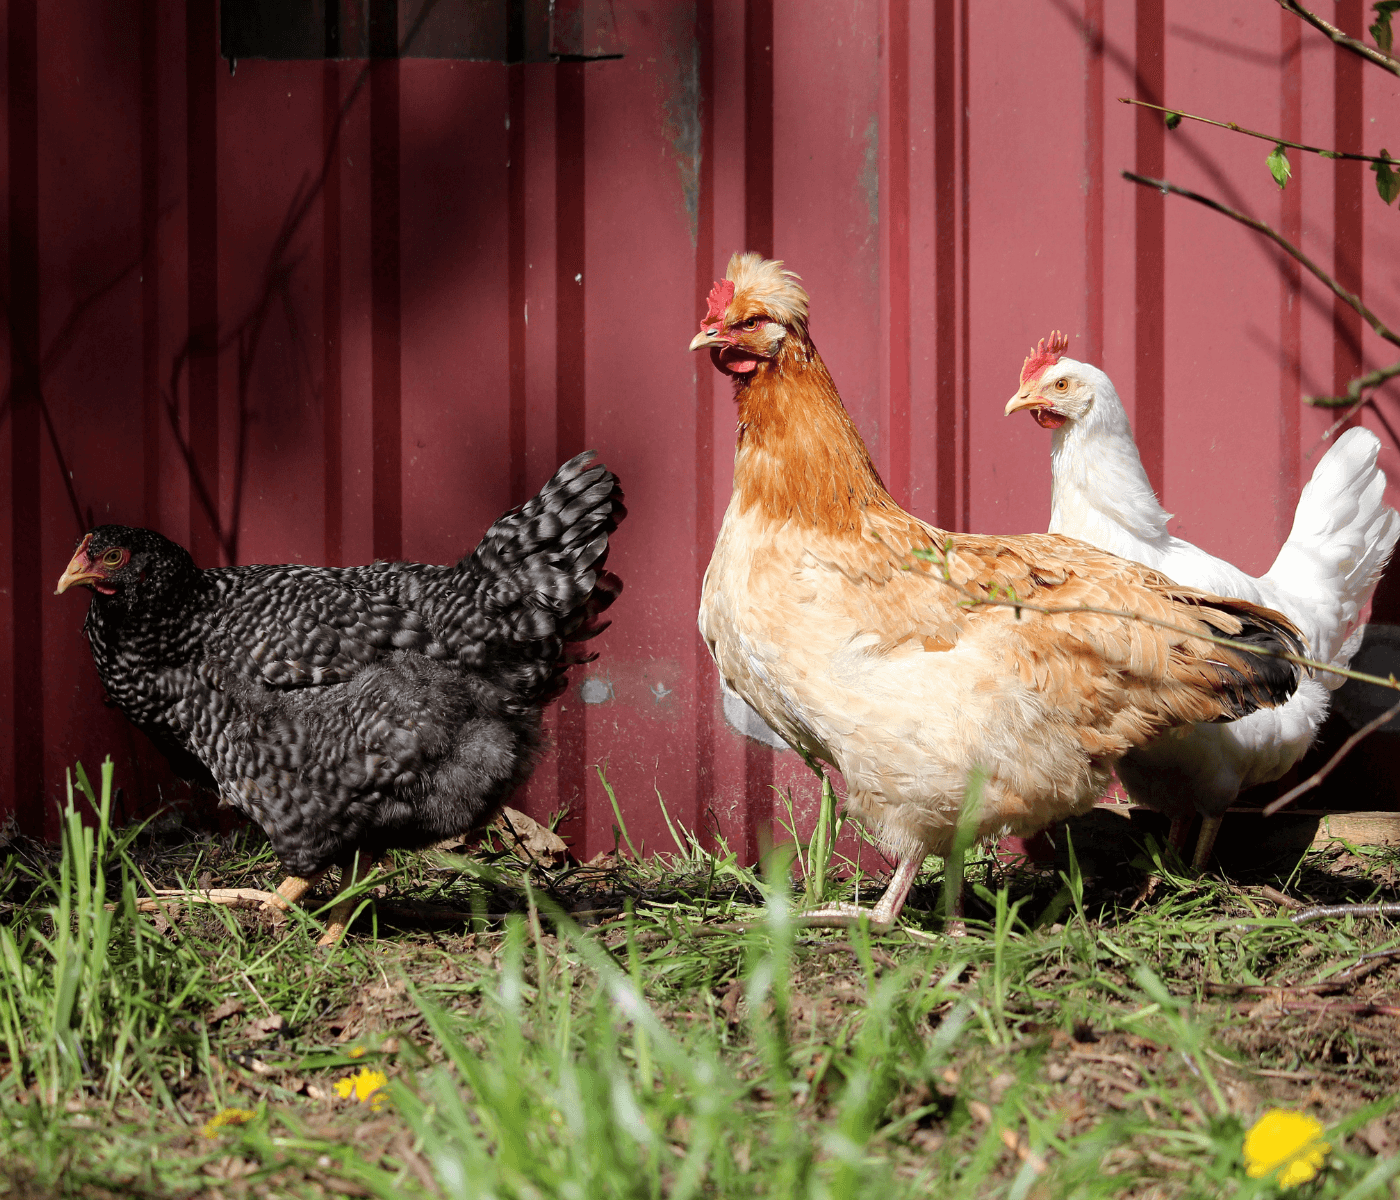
265,1027
980,1111
229,1008
729,1002
522,833
1377,1138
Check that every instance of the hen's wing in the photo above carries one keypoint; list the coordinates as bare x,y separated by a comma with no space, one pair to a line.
1117,637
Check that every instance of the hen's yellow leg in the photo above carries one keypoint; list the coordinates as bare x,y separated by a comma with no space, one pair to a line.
1176,836
1205,842
339,918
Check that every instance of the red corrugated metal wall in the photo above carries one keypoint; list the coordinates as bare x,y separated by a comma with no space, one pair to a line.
324,311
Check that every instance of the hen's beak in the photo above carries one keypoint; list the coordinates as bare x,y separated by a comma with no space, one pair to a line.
1046,415
80,570
1022,400
706,337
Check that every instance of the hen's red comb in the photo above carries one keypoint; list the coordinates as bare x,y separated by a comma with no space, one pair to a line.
720,296
1044,356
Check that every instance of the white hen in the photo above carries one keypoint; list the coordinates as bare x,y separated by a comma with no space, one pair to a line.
1342,536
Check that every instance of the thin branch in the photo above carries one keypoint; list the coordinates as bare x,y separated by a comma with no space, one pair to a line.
1336,425
1372,379
1340,292
1313,780
1346,41
1254,133
975,601
1278,897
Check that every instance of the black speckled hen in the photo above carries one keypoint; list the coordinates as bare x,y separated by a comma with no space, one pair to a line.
352,710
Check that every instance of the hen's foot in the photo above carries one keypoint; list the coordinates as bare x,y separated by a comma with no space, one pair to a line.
883,916
279,903
841,916
1145,892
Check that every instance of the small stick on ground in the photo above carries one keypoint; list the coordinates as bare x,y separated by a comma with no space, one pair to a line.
1278,897
1326,911
1356,1009
227,897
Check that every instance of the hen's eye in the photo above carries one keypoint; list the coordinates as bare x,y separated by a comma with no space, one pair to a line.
1062,385
752,322
112,558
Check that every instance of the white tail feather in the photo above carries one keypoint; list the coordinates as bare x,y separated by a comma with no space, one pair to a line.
1342,537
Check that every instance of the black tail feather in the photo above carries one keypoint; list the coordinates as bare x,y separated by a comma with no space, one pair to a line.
537,580
1253,680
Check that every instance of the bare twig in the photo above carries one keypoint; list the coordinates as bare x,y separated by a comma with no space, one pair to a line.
1271,893
1354,1009
1326,911
1372,379
941,559
1318,776
1346,41
1254,133
1348,298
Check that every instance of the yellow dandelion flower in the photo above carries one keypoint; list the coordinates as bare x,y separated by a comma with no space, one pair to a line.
225,1117
1287,1145
363,1086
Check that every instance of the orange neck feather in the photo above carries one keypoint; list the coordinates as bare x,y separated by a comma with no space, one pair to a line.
800,456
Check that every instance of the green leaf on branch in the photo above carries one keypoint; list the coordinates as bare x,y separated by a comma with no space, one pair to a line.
1387,177
1173,119
1279,167
1381,31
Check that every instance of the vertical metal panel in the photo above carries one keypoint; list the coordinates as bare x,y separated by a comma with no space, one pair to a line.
319,311
26,558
